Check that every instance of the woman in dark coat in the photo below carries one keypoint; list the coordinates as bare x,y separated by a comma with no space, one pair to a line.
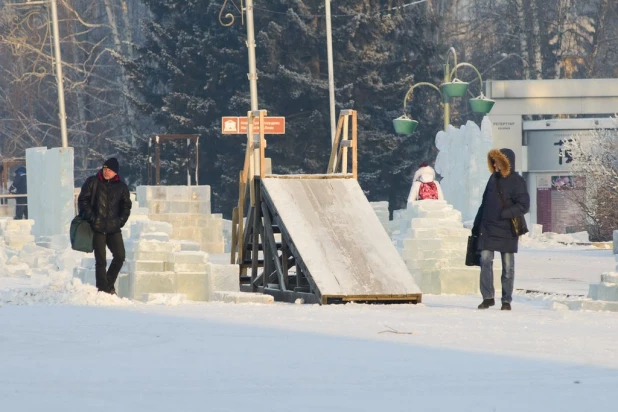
492,224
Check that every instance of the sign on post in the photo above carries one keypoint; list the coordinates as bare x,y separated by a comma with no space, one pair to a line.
238,125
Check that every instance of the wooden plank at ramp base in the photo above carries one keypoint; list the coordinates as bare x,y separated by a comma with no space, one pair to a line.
340,240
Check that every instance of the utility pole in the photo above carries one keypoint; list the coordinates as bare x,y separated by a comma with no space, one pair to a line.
251,46
57,60
331,76
59,77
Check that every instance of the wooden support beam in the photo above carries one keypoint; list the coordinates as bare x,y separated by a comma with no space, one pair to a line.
343,149
234,235
262,145
355,144
158,162
339,159
251,148
246,236
256,234
347,143
335,147
241,217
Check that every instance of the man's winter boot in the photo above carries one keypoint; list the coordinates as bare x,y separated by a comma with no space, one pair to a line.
505,306
486,303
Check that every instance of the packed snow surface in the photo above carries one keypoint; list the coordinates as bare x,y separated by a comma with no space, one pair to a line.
65,347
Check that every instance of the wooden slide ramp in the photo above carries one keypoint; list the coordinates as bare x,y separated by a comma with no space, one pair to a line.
337,241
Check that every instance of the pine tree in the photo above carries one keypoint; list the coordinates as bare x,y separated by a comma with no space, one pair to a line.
377,54
191,72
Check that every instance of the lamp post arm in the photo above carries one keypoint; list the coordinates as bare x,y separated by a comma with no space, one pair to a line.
475,69
409,93
452,51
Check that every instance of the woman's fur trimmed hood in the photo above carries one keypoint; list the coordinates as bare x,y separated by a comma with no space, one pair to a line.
501,158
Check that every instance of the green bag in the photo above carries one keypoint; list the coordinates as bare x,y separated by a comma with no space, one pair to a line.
81,235
81,232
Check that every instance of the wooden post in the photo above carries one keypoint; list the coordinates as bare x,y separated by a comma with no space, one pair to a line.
256,230
354,145
188,170
344,157
149,160
234,235
158,161
335,148
262,145
250,147
241,217
197,161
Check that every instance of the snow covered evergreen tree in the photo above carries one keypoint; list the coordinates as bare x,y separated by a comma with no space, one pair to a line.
379,50
190,72
193,70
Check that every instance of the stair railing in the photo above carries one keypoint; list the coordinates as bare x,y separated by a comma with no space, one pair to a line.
338,162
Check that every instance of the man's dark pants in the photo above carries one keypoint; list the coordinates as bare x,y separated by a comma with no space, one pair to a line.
107,278
21,209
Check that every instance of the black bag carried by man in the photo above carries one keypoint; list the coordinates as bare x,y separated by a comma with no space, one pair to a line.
81,232
81,235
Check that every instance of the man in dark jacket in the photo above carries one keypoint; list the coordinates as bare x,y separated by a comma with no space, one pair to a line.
107,215
20,187
506,196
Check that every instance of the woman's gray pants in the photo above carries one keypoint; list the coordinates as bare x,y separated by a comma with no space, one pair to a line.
487,275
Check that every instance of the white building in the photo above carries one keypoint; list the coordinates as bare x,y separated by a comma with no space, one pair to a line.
538,144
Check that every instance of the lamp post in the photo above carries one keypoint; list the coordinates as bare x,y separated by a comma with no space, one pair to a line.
331,76
450,88
59,77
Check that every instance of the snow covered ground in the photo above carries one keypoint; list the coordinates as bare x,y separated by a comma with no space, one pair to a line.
63,347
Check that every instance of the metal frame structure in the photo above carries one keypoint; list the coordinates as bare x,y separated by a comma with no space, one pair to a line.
160,138
264,243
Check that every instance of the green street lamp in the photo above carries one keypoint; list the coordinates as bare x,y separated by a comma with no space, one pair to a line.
479,104
456,88
404,124
451,87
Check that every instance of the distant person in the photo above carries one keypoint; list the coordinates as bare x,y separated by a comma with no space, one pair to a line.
20,187
424,185
505,197
110,212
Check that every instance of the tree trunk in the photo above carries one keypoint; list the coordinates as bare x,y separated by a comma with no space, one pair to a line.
122,79
598,36
128,30
536,40
523,40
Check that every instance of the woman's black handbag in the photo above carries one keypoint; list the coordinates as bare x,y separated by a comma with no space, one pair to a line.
473,256
518,224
